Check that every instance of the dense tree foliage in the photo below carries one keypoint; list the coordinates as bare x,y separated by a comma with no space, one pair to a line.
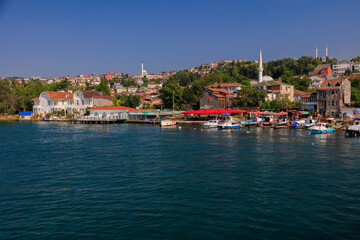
355,90
249,97
132,101
282,103
299,83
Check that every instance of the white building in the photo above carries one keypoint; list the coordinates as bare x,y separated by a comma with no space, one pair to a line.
69,102
339,67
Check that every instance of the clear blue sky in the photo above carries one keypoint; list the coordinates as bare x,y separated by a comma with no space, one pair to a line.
69,37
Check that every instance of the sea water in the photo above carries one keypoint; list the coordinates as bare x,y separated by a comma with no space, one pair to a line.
133,181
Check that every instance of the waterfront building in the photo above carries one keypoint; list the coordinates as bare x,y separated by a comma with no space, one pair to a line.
333,95
69,102
308,99
215,98
119,112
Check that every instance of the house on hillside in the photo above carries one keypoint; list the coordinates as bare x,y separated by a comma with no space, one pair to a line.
275,88
231,87
333,95
69,102
215,98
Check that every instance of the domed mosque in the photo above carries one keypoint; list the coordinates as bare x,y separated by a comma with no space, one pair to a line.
267,78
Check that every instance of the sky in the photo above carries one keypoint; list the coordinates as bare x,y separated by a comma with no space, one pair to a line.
70,37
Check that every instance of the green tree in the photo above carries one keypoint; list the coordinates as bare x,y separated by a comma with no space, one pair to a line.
249,97
102,87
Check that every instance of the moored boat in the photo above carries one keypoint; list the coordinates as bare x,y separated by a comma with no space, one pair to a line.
354,128
211,123
254,122
167,122
298,123
309,123
281,122
330,122
320,128
228,123
269,120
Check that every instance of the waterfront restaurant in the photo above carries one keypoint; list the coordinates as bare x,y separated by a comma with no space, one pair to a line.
118,112
150,115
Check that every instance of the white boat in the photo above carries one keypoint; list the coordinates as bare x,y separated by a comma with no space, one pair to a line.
309,123
167,122
298,123
281,122
211,123
354,129
228,123
254,122
320,128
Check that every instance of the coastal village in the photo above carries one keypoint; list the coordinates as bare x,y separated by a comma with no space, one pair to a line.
328,95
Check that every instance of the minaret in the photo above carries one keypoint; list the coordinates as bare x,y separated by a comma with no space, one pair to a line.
142,67
316,53
326,51
260,68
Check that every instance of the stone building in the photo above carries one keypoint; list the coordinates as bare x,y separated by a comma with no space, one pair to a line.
333,95
215,98
274,89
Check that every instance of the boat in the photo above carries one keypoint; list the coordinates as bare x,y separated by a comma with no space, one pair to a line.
254,122
228,123
167,122
299,123
269,120
320,128
281,122
330,122
309,123
213,123
354,128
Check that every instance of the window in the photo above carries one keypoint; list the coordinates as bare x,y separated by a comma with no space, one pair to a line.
332,103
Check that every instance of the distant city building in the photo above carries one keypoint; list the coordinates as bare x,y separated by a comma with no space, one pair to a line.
357,66
339,67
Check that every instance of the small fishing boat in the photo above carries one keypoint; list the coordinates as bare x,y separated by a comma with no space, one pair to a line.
211,123
330,122
354,128
167,122
320,128
309,123
281,122
254,122
269,120
298,124
228,123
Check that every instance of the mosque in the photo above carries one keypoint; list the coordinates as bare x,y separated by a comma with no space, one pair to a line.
261,77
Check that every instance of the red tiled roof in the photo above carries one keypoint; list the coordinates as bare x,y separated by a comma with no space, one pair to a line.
219,95
60,95
298,92
326,88
219,90
225,85
35,98
332,81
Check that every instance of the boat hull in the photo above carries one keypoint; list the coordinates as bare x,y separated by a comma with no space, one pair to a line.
319,131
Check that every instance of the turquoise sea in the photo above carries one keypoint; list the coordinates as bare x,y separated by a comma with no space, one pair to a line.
132,181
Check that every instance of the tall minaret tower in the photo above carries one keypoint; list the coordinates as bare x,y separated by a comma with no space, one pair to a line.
316,53
260,68
326,51
142,67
